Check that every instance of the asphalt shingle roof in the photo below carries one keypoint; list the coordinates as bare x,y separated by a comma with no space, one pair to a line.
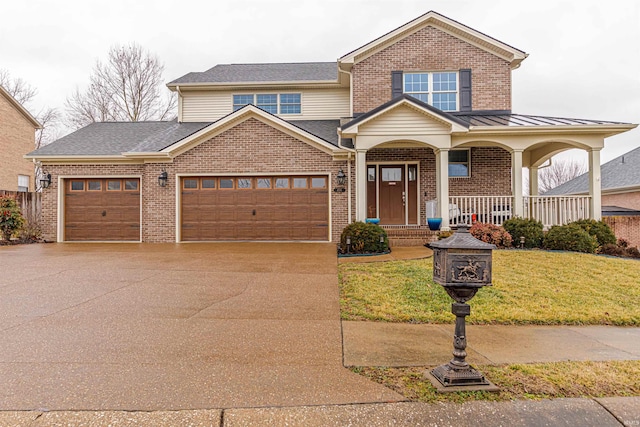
277,72
623,171
115,138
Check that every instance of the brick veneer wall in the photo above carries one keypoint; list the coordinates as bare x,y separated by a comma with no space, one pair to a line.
17,138
625,227
249,147
490,172
625,200
431,49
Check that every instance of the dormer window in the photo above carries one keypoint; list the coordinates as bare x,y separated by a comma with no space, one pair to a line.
284,103
437,89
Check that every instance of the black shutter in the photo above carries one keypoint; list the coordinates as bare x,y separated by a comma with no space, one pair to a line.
465,90
396,84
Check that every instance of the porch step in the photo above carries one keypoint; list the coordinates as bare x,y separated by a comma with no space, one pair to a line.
410,236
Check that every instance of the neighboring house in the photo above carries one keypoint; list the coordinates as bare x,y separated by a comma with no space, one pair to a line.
620,182
422,113
17,138
620,194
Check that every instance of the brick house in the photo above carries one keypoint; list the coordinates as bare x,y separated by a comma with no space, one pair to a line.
17,138
418,118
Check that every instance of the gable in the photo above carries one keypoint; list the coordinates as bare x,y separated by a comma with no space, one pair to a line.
404,121
432,19
12,104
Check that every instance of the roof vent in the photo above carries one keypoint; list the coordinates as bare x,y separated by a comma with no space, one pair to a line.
622,159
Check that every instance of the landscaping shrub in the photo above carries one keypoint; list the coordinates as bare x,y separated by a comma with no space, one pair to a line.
613,250
633,252
603,233
490,233
444,234
365,238
570,237
529,228
10,217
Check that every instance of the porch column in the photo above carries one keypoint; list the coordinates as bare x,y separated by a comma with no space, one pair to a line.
516,183
442,186
361,185
595,189
533,181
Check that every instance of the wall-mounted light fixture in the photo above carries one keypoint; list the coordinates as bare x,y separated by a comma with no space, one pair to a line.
163,178
341,178
45,181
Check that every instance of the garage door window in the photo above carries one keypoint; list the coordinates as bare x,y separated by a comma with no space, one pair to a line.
299,182
208,184
226,183
77,185
244,183
94,185
282,182
190,183
131,184
318,182
264,182
113,185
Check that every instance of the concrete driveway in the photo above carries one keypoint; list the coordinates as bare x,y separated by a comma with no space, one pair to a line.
164,326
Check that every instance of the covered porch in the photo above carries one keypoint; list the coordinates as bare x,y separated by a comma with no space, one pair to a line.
413,162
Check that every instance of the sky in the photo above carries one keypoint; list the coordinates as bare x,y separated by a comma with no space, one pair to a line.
584,55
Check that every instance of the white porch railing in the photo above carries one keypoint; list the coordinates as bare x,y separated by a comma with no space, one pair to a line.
557,210
550,210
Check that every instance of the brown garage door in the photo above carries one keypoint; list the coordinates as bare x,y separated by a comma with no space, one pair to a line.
102,209
255,208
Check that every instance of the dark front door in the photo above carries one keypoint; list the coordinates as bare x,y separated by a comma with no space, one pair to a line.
392,194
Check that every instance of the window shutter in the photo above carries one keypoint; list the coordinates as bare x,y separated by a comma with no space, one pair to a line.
396,84
465,90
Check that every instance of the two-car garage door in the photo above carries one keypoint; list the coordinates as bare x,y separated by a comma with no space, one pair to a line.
286,208
255,208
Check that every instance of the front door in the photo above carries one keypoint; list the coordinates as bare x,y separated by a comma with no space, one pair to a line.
392,194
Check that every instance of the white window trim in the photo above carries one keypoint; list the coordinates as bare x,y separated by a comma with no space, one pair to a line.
468,163
254,97
430,90
24,179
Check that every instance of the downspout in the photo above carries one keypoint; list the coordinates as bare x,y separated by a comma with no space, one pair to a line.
349,187
350,89
179,103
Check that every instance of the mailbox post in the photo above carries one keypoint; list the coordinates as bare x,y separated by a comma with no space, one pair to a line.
462,265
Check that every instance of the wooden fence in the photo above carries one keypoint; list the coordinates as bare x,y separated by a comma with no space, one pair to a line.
30,203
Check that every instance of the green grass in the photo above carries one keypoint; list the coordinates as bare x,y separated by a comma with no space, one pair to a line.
529,287
521,381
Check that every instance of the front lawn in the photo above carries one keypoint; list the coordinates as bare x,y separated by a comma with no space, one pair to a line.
529,287
521,381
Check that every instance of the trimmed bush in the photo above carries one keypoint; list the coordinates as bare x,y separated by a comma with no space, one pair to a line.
365,239
10,217
529,228
613,250
603,233
444,234
570,237
490,233
633,252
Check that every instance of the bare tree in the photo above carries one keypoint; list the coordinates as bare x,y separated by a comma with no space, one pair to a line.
558,173
125,88
22,91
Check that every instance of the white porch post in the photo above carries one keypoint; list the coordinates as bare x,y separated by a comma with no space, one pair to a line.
361,185
516,183
442,186
595,189
533,181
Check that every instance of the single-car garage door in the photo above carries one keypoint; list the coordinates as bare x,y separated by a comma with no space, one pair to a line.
255,208
102,209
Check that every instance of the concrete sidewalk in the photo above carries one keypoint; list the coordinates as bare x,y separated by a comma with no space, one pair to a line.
605,412
401,344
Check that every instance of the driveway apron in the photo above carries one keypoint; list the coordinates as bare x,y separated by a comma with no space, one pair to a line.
168,326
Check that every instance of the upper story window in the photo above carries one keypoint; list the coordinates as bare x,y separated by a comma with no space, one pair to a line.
284,103
437,89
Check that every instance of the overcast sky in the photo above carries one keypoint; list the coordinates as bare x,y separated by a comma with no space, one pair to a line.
584,54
